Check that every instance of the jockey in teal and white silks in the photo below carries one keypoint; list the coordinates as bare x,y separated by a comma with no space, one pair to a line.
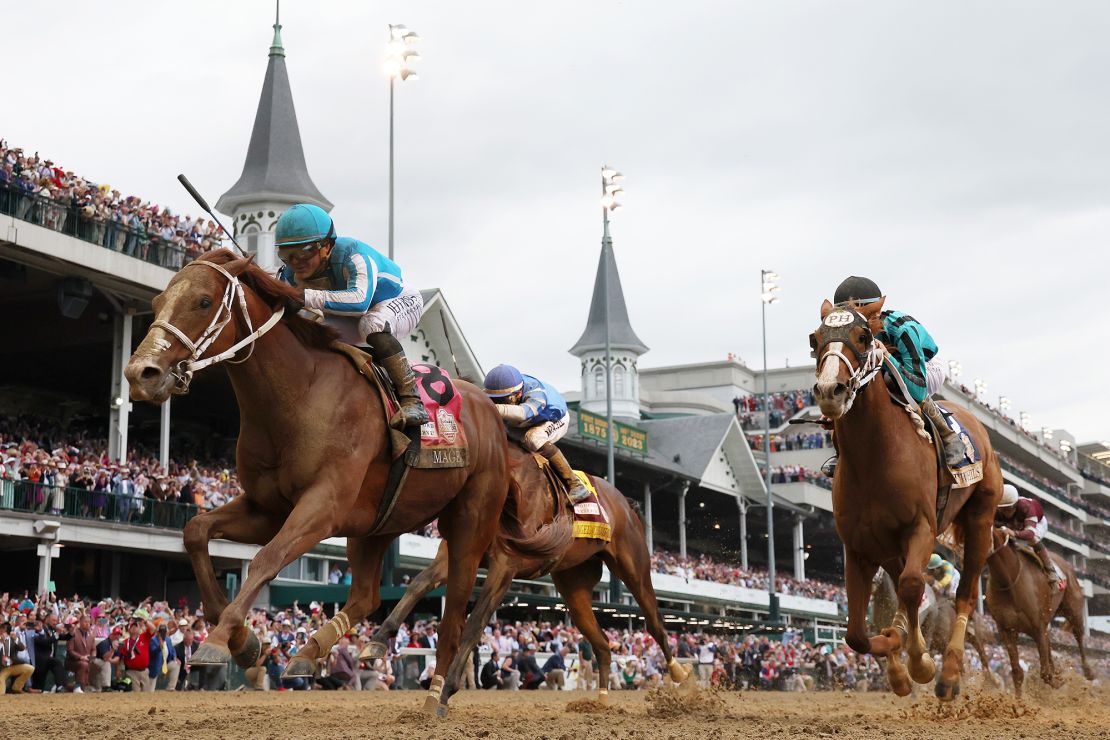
529,404
913,351
359,291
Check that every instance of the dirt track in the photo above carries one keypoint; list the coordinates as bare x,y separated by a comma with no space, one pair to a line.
1076,711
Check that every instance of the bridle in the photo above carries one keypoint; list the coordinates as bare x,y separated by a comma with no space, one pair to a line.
837,330
1020,561
182,372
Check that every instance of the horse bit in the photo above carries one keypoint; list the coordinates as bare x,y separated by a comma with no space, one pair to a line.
182,372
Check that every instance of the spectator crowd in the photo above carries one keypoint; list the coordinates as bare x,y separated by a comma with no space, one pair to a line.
705,568
783,405
36,189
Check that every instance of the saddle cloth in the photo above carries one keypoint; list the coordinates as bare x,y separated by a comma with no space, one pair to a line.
591,520
442,441
970,470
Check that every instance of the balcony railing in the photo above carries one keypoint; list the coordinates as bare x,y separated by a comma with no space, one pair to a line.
79,503
68,218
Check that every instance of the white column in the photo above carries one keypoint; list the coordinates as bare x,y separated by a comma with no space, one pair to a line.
117,420
164,436
799,551
649,534
682,519
46,554
742,504
113,390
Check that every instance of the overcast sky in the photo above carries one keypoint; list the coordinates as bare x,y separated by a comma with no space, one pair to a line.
955,152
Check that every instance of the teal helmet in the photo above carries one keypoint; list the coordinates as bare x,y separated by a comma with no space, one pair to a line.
302,224
935,561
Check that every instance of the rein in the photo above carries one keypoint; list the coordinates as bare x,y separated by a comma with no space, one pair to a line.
1021,564
234,293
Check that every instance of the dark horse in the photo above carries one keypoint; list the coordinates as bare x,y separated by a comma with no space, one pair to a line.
575,571
313,455
885,497
1022,600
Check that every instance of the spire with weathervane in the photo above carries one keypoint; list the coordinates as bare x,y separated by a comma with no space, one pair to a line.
275,175
626,346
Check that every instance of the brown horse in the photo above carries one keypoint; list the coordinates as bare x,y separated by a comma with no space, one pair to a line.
885,497
1021,600
576,572
313,455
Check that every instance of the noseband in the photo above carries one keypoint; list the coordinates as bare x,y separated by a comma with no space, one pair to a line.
182,372
838,327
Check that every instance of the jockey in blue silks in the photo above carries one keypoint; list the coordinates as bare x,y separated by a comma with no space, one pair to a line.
529,404
913,352
360,293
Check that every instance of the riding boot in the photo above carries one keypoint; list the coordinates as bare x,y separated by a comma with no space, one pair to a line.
1047,565
575,490
954,452
388,353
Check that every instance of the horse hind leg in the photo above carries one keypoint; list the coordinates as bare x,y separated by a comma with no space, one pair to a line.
428,579
1072,609
576,586
1009,639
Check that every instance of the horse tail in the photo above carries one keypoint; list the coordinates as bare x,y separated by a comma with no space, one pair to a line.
548,542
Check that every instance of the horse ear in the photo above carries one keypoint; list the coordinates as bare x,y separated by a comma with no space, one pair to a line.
826,309
239,266
871,310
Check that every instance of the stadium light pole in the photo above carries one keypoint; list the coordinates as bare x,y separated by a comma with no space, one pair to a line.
398,56
980,389
769,291
1023,421
1003,405
610,191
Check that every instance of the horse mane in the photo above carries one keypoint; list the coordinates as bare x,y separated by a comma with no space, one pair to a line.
275,293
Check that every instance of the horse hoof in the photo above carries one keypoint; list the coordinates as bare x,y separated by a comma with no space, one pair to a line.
299,668
247,656
898,678
441,711
923,670
210,654
373,651
431,706
947,691
603,699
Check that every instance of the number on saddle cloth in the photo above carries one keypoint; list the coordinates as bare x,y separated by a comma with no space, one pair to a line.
428,377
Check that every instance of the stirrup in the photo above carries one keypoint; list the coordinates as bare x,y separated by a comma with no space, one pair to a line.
410,413
578,493
829,466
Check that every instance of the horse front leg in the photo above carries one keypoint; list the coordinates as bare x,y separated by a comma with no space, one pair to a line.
911,589
429,578
239,520
857,580
308,524
364,554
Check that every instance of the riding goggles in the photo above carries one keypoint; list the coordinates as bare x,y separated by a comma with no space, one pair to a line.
298,252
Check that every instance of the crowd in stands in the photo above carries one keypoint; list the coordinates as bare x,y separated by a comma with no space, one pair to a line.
51,470
36,189
783,405
705,568
789,442
84,645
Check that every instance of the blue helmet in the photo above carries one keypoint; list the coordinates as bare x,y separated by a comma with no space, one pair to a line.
503,380
303,223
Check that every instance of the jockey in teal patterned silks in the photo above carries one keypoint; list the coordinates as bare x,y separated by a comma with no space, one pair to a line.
913,351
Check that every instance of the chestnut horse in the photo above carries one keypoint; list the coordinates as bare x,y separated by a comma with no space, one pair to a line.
313,456
885,497
1021,600
576,572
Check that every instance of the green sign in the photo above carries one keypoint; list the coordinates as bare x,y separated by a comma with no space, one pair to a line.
629,438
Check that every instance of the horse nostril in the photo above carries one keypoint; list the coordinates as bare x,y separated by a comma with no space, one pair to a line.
150,373
840,389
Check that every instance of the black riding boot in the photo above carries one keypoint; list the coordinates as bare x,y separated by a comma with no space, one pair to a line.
1047,565
954,452
388,353
575,490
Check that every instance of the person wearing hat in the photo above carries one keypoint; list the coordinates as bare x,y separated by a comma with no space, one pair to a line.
359,291
914,353
1023,519
943,575
540,412
135,650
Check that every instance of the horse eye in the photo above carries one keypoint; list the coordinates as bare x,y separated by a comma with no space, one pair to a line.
205,302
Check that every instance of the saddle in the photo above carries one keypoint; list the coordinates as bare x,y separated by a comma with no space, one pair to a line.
441,443
1029,552
591,520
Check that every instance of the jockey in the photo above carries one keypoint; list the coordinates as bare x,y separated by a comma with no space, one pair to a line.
914,352
527,403
360,293
1023,518
945,577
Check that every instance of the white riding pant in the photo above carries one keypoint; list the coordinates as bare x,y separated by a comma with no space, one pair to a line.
549,431
1040,529
401,314
936,372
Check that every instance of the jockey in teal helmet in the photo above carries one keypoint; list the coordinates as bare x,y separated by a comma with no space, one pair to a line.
914,353
360,293
531,405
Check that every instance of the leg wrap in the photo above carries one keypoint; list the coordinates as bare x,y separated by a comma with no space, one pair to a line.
901,624
332,630
436,686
